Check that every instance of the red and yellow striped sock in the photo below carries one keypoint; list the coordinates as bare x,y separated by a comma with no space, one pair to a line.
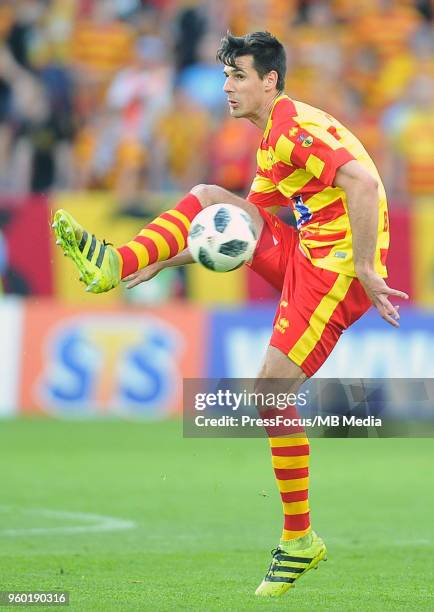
162,239
290,458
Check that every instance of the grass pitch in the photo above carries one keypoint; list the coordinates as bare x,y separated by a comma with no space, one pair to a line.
206,514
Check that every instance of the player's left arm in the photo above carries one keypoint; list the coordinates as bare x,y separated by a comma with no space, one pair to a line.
145,274
361,190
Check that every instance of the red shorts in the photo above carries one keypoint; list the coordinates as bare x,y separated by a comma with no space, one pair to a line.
316,305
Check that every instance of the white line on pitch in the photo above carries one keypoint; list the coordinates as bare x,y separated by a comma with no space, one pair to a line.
98,523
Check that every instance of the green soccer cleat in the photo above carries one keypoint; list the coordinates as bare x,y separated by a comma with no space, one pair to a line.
97,261
288,565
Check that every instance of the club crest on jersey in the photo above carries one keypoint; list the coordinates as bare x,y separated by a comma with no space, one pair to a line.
306,140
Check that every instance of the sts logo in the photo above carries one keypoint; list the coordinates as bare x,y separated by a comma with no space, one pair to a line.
304,214
110,364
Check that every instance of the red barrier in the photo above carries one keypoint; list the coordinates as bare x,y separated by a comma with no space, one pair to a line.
399,261
24,222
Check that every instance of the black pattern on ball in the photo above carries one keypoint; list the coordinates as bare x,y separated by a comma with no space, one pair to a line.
221,219
233,248
196,230
205,259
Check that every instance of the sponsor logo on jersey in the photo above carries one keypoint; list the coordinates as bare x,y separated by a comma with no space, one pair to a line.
270,157
303,212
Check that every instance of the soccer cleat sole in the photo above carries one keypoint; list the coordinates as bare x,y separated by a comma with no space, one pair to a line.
66,239
89,272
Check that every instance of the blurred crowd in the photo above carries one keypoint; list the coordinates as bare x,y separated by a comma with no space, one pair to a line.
126,94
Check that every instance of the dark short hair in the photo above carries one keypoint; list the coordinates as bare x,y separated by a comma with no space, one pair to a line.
268,53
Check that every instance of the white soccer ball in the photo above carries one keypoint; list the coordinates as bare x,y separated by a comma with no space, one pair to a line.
222,237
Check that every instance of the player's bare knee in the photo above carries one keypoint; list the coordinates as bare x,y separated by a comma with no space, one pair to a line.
271,385
279,373
205,194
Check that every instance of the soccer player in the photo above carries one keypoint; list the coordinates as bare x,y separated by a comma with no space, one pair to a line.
329,271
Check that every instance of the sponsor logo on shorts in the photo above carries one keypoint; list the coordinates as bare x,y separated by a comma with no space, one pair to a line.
340,254
282,325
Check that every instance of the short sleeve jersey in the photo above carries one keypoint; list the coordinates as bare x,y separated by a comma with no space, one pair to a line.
301,150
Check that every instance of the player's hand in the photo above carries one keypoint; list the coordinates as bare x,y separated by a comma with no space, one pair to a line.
143,275
379,293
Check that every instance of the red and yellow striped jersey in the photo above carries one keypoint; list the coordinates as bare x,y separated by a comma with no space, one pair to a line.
301,150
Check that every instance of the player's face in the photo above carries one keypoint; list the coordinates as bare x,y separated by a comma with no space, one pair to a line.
245,90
